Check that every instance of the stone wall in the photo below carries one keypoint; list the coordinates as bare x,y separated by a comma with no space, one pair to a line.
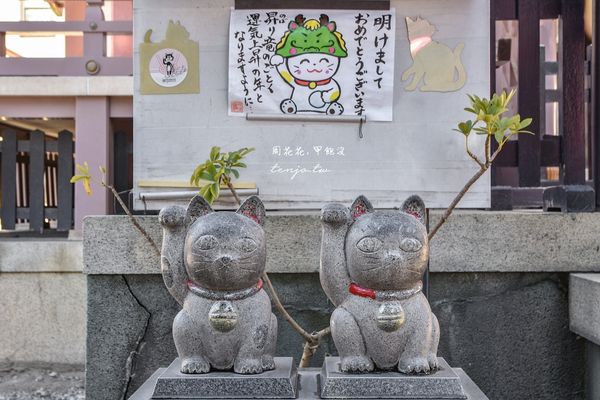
499,286
509,332
42,301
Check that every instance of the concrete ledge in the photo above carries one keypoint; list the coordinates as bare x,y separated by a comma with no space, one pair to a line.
471,241
516,241
584,306
35,255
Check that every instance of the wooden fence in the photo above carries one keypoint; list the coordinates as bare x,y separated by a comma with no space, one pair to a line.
567,151
35,185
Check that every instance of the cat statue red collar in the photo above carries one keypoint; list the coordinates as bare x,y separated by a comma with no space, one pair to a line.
390,324
211,264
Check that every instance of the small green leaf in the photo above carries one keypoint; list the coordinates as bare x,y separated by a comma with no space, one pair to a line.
204,191
499,136
525,123
83,169
214,190
212,170
214,153
77,178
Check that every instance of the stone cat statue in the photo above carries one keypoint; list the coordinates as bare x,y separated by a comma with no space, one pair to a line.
211,264
372,264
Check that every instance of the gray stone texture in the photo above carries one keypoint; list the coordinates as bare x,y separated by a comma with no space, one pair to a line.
211,264
468,242
509,332
592,371
279,383
584,305
308,385
40,255
335,384
130,328
380,257
42,317
531,241
129,333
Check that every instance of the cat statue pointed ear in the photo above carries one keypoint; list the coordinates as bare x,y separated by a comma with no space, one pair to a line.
254,209
211,264
372,264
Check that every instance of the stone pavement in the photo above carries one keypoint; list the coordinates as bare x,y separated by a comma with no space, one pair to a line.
48,382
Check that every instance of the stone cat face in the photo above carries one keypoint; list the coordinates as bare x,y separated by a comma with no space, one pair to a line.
225,251
387,250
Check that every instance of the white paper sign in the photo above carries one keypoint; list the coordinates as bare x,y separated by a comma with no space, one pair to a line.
332,62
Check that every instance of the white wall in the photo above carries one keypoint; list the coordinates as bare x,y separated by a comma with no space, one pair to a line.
416,153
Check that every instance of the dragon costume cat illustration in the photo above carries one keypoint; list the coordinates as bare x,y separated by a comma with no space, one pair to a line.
307,58
435,64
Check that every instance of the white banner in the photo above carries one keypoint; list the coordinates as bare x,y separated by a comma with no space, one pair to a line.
331,62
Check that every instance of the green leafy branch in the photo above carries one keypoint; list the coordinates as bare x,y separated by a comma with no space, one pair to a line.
217,171
491,122
85,177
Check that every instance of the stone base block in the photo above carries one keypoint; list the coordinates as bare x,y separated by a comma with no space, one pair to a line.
169,383
444,384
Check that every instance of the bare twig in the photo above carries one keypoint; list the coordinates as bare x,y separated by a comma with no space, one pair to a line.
458,198
310,348
312,340
233,191
133,220
275,297
473,156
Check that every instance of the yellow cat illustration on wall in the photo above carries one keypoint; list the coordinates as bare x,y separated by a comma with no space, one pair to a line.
438,66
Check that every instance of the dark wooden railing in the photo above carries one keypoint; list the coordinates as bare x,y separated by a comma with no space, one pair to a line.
35,185
572,192
94,61
123,168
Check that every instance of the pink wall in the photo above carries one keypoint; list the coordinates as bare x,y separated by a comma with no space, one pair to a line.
92,127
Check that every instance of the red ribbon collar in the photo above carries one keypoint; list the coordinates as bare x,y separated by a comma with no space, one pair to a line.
362,292
384,295
312,84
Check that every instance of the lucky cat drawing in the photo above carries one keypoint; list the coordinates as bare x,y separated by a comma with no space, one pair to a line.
168,61
435,64
307,57
211,264
372,264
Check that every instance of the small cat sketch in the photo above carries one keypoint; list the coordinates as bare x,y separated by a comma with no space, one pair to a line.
168,61
439,67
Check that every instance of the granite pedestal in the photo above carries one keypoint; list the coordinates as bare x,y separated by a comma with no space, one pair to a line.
446,383
308,386
170,383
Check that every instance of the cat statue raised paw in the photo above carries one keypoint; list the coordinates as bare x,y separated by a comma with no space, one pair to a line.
211,264
372,264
